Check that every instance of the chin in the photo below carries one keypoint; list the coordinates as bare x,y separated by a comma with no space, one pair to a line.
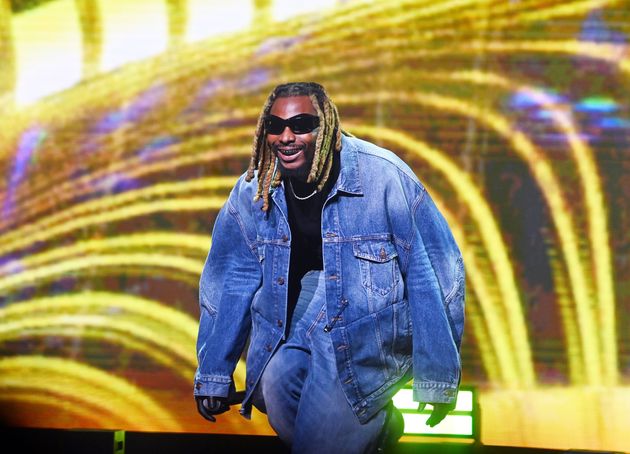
300,172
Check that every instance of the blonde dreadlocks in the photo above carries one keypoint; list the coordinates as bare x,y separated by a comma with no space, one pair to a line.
328,140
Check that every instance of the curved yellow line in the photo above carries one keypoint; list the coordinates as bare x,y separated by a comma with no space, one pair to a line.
185,243
492,334
36,198
66,267
79,410
595,204
550,188
154,336
44,231
145,312
65,378
467,190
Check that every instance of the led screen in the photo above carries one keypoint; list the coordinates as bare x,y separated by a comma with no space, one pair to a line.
125,124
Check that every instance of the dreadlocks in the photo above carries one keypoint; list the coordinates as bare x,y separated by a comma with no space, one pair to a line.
263,159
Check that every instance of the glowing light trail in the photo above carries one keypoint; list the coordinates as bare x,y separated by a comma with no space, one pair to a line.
68,379
480,211
550,188
91,263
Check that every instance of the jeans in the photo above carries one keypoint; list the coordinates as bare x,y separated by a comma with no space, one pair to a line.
300,387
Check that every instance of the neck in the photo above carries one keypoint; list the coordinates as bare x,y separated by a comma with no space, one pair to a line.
302,187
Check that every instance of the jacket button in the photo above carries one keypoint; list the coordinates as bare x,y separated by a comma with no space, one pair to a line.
285,238
383,254
198,385
281,280
268,348
279,323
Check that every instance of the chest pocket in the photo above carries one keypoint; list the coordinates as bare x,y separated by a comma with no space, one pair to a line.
379,268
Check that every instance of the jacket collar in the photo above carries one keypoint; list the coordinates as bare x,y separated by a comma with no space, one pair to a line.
349,180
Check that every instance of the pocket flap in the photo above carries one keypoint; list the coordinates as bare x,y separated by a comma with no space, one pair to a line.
375,251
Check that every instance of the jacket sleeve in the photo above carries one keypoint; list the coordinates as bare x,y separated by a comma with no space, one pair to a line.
435,291
231,276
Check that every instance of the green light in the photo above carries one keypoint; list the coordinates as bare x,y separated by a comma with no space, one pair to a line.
403,400
460,423
415,424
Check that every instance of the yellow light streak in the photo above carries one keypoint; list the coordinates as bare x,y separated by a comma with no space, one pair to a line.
152,317
108,215
99,302
68,379
486,315
550,188
73,266
80,410
480,211
91,23
153,336
7,57
196,245
567,313
595,204
37,197
247,42
108,202
96,328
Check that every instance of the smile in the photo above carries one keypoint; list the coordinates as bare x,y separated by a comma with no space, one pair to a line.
288,151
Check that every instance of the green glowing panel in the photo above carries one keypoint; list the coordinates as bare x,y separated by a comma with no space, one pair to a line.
415,424
403,400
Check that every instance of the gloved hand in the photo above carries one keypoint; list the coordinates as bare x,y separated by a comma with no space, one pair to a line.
208,406
439,412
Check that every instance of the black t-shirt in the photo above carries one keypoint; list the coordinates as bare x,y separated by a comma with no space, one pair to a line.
305,222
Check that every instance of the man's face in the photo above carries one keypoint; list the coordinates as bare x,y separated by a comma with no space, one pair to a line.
294,151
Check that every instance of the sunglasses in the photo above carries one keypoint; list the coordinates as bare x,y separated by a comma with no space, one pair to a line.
299,124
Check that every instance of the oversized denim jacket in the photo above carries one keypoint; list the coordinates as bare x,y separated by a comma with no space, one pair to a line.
394,285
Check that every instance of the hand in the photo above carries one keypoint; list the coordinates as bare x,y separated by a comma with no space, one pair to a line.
208,406
439,412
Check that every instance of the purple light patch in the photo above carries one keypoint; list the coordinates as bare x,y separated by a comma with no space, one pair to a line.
275,44
207,91
156,144
596,29
254,80
116,183
143,104
29,143
526,99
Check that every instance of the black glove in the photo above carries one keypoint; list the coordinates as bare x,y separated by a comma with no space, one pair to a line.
208,406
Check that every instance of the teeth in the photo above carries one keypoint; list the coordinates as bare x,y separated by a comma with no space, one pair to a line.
289,152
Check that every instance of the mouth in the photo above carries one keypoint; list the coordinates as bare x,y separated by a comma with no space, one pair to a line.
288,151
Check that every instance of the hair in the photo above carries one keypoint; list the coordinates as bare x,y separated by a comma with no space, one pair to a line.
328,140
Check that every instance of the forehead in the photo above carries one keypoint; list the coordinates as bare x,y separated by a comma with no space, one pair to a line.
291,106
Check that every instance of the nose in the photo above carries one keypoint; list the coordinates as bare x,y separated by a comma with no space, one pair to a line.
287,135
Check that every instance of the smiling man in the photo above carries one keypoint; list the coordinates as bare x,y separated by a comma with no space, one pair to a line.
332,260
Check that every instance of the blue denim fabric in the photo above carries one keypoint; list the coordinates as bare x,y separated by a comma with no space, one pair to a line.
394,280
303,398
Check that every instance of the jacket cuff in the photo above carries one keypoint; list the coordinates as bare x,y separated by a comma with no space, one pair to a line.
212,385
435,392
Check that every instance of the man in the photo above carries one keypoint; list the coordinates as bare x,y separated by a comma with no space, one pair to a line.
331,257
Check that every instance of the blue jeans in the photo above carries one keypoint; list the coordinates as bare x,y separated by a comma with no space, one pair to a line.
300,387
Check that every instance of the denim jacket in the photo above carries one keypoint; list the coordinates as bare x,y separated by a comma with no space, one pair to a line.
394,285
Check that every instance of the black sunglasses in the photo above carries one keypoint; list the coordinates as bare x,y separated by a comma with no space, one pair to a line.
299,124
